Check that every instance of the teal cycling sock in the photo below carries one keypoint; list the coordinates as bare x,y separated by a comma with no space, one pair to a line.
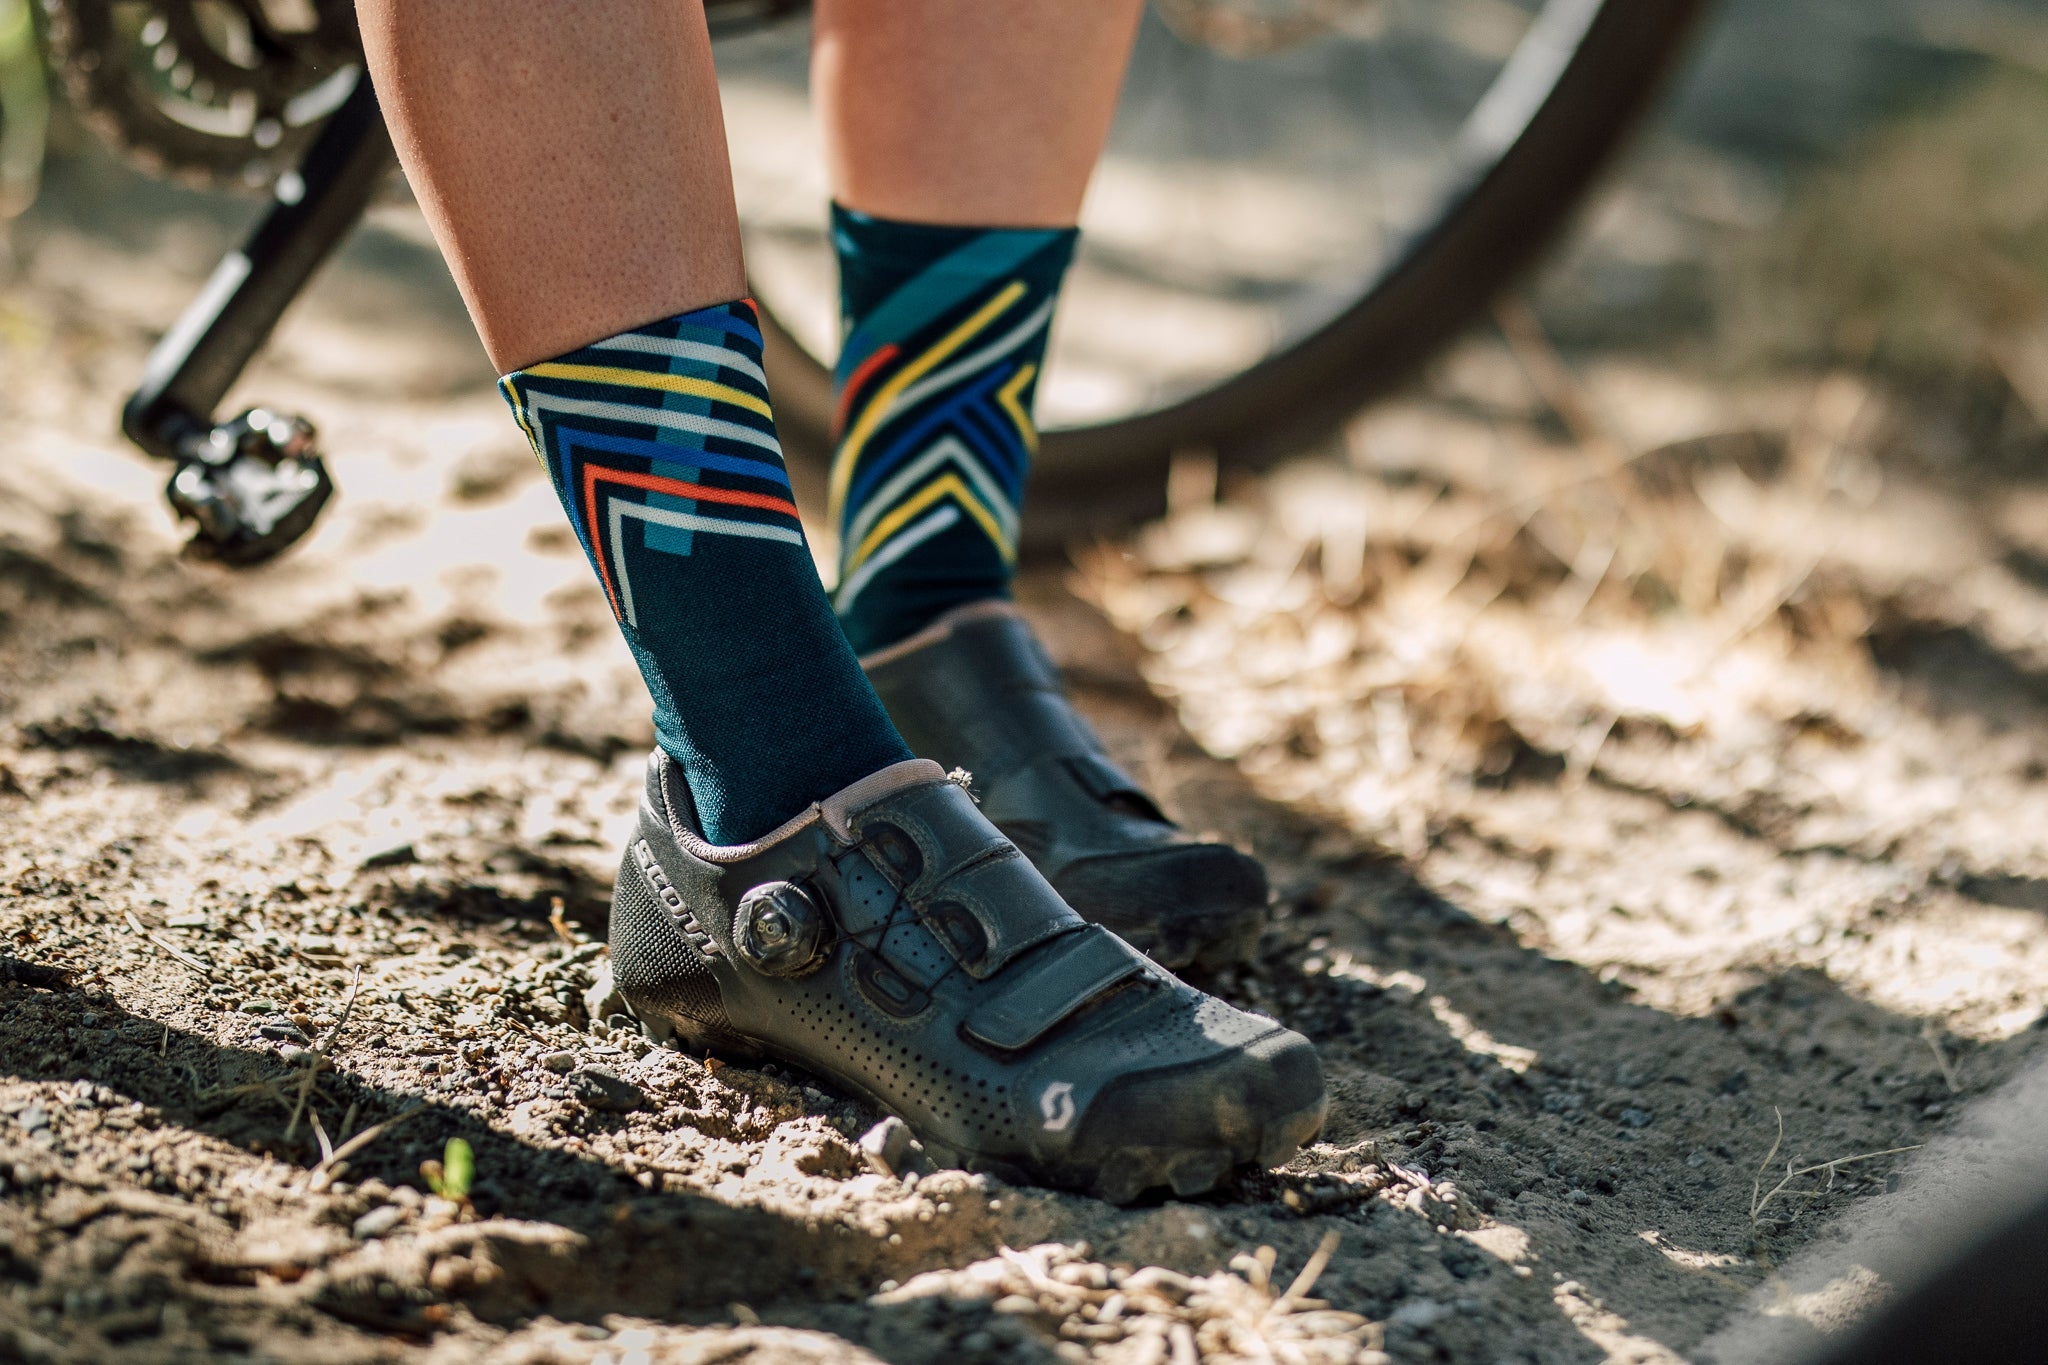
945,335
662,448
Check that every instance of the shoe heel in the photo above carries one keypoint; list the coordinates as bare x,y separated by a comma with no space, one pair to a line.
688,1035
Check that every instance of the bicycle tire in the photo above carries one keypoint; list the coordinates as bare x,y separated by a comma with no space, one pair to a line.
1100,479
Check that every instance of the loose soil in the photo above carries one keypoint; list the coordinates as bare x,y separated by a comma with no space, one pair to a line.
1636,790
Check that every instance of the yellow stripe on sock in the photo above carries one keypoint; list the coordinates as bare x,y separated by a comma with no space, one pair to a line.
1009,395
877,409
948,483
647,379
519,416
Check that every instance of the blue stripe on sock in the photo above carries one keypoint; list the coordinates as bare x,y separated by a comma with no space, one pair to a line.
714,326
875,468
999,446
676,540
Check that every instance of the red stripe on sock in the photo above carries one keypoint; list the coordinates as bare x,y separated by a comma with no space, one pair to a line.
593,474
655,483
854,381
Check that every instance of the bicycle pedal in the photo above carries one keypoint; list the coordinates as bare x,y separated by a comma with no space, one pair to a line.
252,486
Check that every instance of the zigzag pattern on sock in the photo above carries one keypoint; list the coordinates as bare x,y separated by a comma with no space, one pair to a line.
667,426
661,445
933,427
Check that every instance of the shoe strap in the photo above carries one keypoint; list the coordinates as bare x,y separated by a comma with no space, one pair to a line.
968,885
1049,987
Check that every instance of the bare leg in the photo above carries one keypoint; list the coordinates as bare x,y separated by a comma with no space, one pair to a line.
572,161
570,156
973,114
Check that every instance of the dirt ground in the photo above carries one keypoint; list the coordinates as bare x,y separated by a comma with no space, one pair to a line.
1648,756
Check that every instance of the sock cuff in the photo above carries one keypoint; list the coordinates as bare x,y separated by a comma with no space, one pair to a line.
871,235
879,256
733,328
695,380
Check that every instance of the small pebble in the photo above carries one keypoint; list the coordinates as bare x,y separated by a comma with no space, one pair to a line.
886,1145
260,1007
34,1117
283,1033
1419,1313
559,1061
602,1000
377,1222
605,1091
389,856
526,1120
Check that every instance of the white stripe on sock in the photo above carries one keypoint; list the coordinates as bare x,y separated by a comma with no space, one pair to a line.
906,540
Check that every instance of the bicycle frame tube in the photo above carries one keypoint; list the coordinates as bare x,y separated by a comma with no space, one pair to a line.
204,352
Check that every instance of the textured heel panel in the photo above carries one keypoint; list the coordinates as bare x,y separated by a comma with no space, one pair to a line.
658,970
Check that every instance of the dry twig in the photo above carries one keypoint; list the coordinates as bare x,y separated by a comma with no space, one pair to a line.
317,1059
330,1166
179,955
1760,1198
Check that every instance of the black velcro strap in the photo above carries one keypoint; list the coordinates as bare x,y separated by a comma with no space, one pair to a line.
1064,976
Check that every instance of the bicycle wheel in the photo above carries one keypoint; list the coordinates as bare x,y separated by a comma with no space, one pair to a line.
1302,201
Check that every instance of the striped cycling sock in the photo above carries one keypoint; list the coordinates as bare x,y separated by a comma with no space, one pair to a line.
945,335
662,448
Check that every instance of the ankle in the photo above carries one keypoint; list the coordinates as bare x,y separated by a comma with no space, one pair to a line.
661,444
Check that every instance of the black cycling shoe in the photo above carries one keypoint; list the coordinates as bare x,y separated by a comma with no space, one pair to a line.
891,940
976,690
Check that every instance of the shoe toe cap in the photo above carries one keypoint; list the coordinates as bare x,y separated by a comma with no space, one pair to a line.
1183,1124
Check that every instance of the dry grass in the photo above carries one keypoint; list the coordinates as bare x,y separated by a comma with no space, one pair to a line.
1156,1316
1438,598
1761,1198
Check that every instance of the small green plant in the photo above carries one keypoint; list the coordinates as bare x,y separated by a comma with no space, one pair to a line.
453,1174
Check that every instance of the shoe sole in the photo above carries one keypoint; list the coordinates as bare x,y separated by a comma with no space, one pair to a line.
1127,1176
